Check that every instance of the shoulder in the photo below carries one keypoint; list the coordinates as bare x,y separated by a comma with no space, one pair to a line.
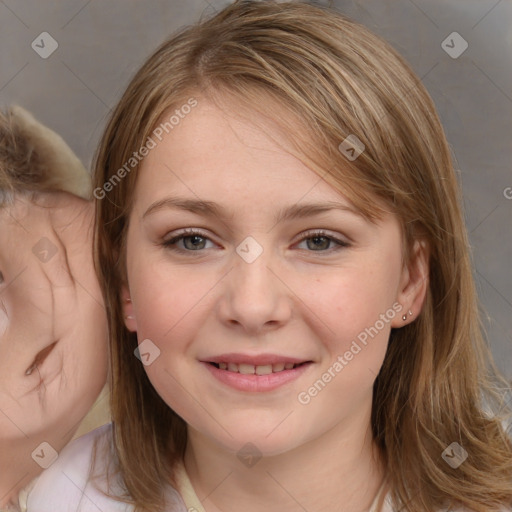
65,485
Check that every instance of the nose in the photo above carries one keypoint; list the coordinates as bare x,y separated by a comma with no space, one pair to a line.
255,297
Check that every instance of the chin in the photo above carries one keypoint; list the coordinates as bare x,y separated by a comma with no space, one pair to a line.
254,437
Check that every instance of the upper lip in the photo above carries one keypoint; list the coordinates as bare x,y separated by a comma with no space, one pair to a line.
256,360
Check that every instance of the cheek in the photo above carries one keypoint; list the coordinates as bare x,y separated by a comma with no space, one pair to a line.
355,303
166,299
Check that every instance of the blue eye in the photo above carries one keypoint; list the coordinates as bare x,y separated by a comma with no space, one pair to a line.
195,241
192,241
320,241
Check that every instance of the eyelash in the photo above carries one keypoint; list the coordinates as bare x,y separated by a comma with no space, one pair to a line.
170,244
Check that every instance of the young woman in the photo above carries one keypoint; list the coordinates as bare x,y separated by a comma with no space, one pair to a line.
293,322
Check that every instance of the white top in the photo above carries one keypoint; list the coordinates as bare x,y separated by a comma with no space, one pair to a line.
65,485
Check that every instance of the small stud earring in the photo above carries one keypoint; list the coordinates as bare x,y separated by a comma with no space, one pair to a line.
129,317
404,317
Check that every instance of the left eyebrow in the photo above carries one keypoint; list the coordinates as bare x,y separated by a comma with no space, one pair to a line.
210,208
298,211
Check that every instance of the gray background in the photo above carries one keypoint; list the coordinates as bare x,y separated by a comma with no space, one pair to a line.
102,43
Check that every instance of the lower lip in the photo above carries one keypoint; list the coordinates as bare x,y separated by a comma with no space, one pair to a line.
257,383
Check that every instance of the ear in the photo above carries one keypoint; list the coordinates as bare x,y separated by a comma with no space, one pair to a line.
128,310
413,284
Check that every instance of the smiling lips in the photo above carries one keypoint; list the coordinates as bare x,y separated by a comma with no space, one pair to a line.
255,373
250,369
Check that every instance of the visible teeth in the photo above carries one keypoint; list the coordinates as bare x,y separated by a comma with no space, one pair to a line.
250,369
247,369
264,370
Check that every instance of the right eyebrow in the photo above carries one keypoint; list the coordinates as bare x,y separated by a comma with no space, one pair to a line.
192,205
210,208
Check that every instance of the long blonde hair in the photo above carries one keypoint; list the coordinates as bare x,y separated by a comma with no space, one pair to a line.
335,78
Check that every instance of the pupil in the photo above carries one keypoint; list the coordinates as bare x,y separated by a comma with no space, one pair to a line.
315,240
195,238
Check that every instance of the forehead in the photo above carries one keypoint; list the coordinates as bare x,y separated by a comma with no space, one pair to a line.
236,154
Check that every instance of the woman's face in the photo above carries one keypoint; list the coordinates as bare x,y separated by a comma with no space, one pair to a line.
52,319
265,280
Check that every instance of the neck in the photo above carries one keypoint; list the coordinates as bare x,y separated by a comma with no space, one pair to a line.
343,467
